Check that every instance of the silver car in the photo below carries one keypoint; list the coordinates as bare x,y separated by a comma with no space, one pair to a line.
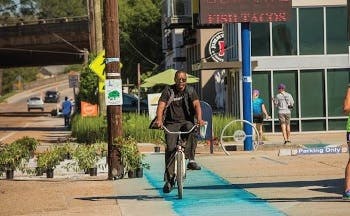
35,103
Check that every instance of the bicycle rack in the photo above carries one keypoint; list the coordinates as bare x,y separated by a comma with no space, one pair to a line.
239,135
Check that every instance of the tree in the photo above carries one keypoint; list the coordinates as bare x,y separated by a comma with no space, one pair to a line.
140,27
140,36
55,9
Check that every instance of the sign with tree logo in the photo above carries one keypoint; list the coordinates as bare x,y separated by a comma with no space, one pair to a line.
113,95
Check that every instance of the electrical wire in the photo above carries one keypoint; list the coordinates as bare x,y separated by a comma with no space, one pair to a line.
40,51
140,53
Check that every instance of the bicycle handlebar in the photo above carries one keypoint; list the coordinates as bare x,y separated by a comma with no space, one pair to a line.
179,132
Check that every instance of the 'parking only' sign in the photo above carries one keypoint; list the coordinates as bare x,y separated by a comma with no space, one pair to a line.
113,95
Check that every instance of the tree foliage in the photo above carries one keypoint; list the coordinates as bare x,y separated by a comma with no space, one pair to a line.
56,8
140,27
140,36
11,77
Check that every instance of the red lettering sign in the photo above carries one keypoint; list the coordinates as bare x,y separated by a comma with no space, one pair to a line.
234,11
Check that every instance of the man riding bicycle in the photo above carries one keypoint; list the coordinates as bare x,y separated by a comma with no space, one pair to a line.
178,105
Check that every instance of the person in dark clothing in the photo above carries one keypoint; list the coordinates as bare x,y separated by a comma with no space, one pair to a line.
180,115
66,111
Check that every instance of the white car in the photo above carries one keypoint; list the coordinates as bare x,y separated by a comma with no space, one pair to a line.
35,103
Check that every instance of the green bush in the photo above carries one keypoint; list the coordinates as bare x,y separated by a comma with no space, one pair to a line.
136,126
16,154
50,158
94,129
89,129
87,156
130,155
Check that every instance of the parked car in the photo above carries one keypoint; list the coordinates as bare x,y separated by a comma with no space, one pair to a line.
130,104
52,96
35,103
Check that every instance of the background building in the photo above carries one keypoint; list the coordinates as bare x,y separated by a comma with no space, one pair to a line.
309,54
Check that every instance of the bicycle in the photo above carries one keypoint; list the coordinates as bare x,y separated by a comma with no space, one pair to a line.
180,160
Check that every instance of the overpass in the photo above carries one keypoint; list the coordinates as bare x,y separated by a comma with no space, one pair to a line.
44,42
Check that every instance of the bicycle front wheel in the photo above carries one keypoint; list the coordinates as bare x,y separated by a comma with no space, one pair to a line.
180,160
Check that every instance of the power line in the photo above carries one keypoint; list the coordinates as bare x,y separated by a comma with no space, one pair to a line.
40,51
140,53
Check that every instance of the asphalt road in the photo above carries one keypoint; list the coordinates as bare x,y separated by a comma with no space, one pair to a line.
16,121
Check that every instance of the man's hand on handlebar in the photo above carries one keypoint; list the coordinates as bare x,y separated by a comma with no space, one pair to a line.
159,123
201,122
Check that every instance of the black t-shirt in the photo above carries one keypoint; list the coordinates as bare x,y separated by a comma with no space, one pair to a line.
177,110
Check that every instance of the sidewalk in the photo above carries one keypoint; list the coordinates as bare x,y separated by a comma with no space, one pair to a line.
295,185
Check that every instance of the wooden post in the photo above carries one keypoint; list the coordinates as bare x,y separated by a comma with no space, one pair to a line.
138,87
1,75
92,26
114,112
98,26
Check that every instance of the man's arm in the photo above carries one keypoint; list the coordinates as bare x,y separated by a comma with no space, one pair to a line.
346,105
198,109
160,113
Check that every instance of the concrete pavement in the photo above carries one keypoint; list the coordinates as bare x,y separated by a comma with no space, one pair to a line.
308,184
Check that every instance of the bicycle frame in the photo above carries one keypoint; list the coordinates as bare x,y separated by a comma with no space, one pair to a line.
179,159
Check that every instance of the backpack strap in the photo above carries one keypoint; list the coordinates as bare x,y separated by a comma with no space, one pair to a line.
171,98
188,103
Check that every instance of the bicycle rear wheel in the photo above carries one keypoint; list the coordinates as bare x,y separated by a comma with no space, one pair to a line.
180,173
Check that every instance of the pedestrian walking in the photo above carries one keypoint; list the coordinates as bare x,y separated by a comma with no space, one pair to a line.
259,110
284,103
66,111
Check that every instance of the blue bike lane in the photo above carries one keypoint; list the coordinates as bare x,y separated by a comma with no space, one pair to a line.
206,193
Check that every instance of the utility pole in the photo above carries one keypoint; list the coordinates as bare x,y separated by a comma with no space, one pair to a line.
96,41
98,25
1,73
138,87
114,112
92,28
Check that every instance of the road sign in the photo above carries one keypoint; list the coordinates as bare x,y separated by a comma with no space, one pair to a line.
101,86
73,78
98,65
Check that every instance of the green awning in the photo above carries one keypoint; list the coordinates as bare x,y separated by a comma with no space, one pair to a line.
166,78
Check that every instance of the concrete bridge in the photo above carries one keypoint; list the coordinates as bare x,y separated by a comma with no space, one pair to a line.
45,42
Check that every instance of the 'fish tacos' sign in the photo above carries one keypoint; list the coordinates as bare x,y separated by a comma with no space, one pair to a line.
236,11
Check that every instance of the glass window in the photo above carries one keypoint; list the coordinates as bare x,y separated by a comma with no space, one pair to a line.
313,125
312,93
337,124
284,37
336,30
260,34
261,81
290,79
337,82
311,31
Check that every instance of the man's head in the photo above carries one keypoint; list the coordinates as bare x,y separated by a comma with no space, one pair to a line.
180,80
281,87
66,98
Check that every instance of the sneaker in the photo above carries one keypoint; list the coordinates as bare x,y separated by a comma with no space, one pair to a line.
193,166
346,195
167,187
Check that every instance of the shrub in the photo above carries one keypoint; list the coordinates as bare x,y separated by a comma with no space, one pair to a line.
89,129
